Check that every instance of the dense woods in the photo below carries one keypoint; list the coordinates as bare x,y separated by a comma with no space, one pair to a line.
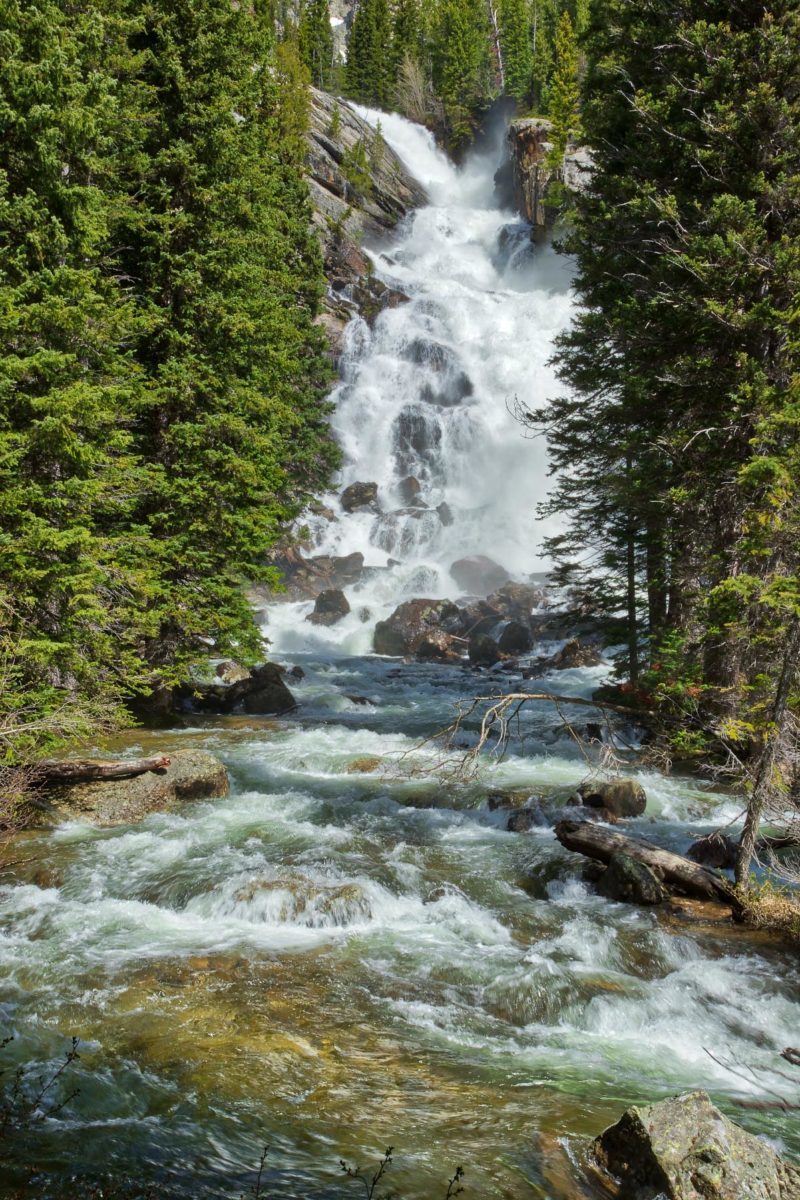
162,380
676,447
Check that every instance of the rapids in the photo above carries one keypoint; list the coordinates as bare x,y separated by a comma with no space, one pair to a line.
351,952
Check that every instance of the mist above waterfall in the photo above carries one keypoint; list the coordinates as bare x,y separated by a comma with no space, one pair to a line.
428,393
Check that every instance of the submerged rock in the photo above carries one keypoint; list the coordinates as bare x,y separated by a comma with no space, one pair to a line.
685,1149
330,606
191,775
622,797
630,882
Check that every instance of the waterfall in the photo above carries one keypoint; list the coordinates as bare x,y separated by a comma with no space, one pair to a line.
425,406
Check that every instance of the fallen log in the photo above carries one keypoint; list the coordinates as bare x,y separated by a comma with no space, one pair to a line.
52,772
676,872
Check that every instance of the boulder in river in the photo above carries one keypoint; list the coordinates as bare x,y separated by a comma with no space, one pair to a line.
515,637
225,686
686,1149
191,775
359,495
630,882
714,850
574,654
329,607
483,650
412,623
622,797
478,574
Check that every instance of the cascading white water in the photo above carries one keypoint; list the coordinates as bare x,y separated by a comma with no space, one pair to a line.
429,391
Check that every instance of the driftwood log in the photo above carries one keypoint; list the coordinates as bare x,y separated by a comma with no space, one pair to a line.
52,772
677,873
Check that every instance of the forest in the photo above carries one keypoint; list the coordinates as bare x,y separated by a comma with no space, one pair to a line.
203,490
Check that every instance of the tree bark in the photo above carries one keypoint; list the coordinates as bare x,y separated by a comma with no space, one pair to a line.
82,770
676,872
764,783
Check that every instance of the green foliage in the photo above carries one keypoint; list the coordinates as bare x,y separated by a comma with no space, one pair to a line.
461,63
368,75
356,169
517,47
565,89
315,38
161,375
677,444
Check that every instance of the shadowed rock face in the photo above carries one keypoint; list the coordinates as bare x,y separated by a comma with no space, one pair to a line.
191,775
346,219
528,179
685,1149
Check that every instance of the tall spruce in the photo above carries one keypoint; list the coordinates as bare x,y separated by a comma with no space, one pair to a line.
315,37
369,70
515,31
564,95
460,55
227,272
71,555
678,441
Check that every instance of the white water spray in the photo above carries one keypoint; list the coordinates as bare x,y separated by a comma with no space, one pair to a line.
428,394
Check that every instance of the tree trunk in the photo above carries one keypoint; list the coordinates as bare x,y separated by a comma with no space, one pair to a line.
764,783
677,873
82,770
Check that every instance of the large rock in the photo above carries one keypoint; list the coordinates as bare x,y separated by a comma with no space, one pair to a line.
515,637
411,625
222,687
517,600
685,1149
483,650
622,797
574,654
359,495
345,217
330,606
630,882
191,775
478,574
305,578
530,181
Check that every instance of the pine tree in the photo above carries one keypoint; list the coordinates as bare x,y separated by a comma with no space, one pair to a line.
231,423
545,20
684,359
69,551
368,74
460,63
315,38
515,30
565,89
406,35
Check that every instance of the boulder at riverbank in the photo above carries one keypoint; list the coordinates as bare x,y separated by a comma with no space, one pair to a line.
685,1149
191,775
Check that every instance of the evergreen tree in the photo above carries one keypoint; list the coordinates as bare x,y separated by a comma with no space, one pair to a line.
406,34
368,74
679,440
70,555
565,90
515,30
545,20
315,38
227,272
460,63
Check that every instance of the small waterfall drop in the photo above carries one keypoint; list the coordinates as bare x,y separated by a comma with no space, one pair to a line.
425,403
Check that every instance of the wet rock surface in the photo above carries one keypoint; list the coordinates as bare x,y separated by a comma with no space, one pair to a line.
330,606
191,775
686,1149
412,624
630,882
478,574
621,797
225,686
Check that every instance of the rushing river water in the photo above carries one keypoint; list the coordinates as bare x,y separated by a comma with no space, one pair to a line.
350,951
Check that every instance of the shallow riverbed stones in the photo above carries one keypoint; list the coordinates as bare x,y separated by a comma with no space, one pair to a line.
191,775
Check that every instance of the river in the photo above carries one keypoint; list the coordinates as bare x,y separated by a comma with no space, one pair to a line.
351,952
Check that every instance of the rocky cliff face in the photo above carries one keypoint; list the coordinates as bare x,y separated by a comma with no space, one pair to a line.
527,179
353,206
